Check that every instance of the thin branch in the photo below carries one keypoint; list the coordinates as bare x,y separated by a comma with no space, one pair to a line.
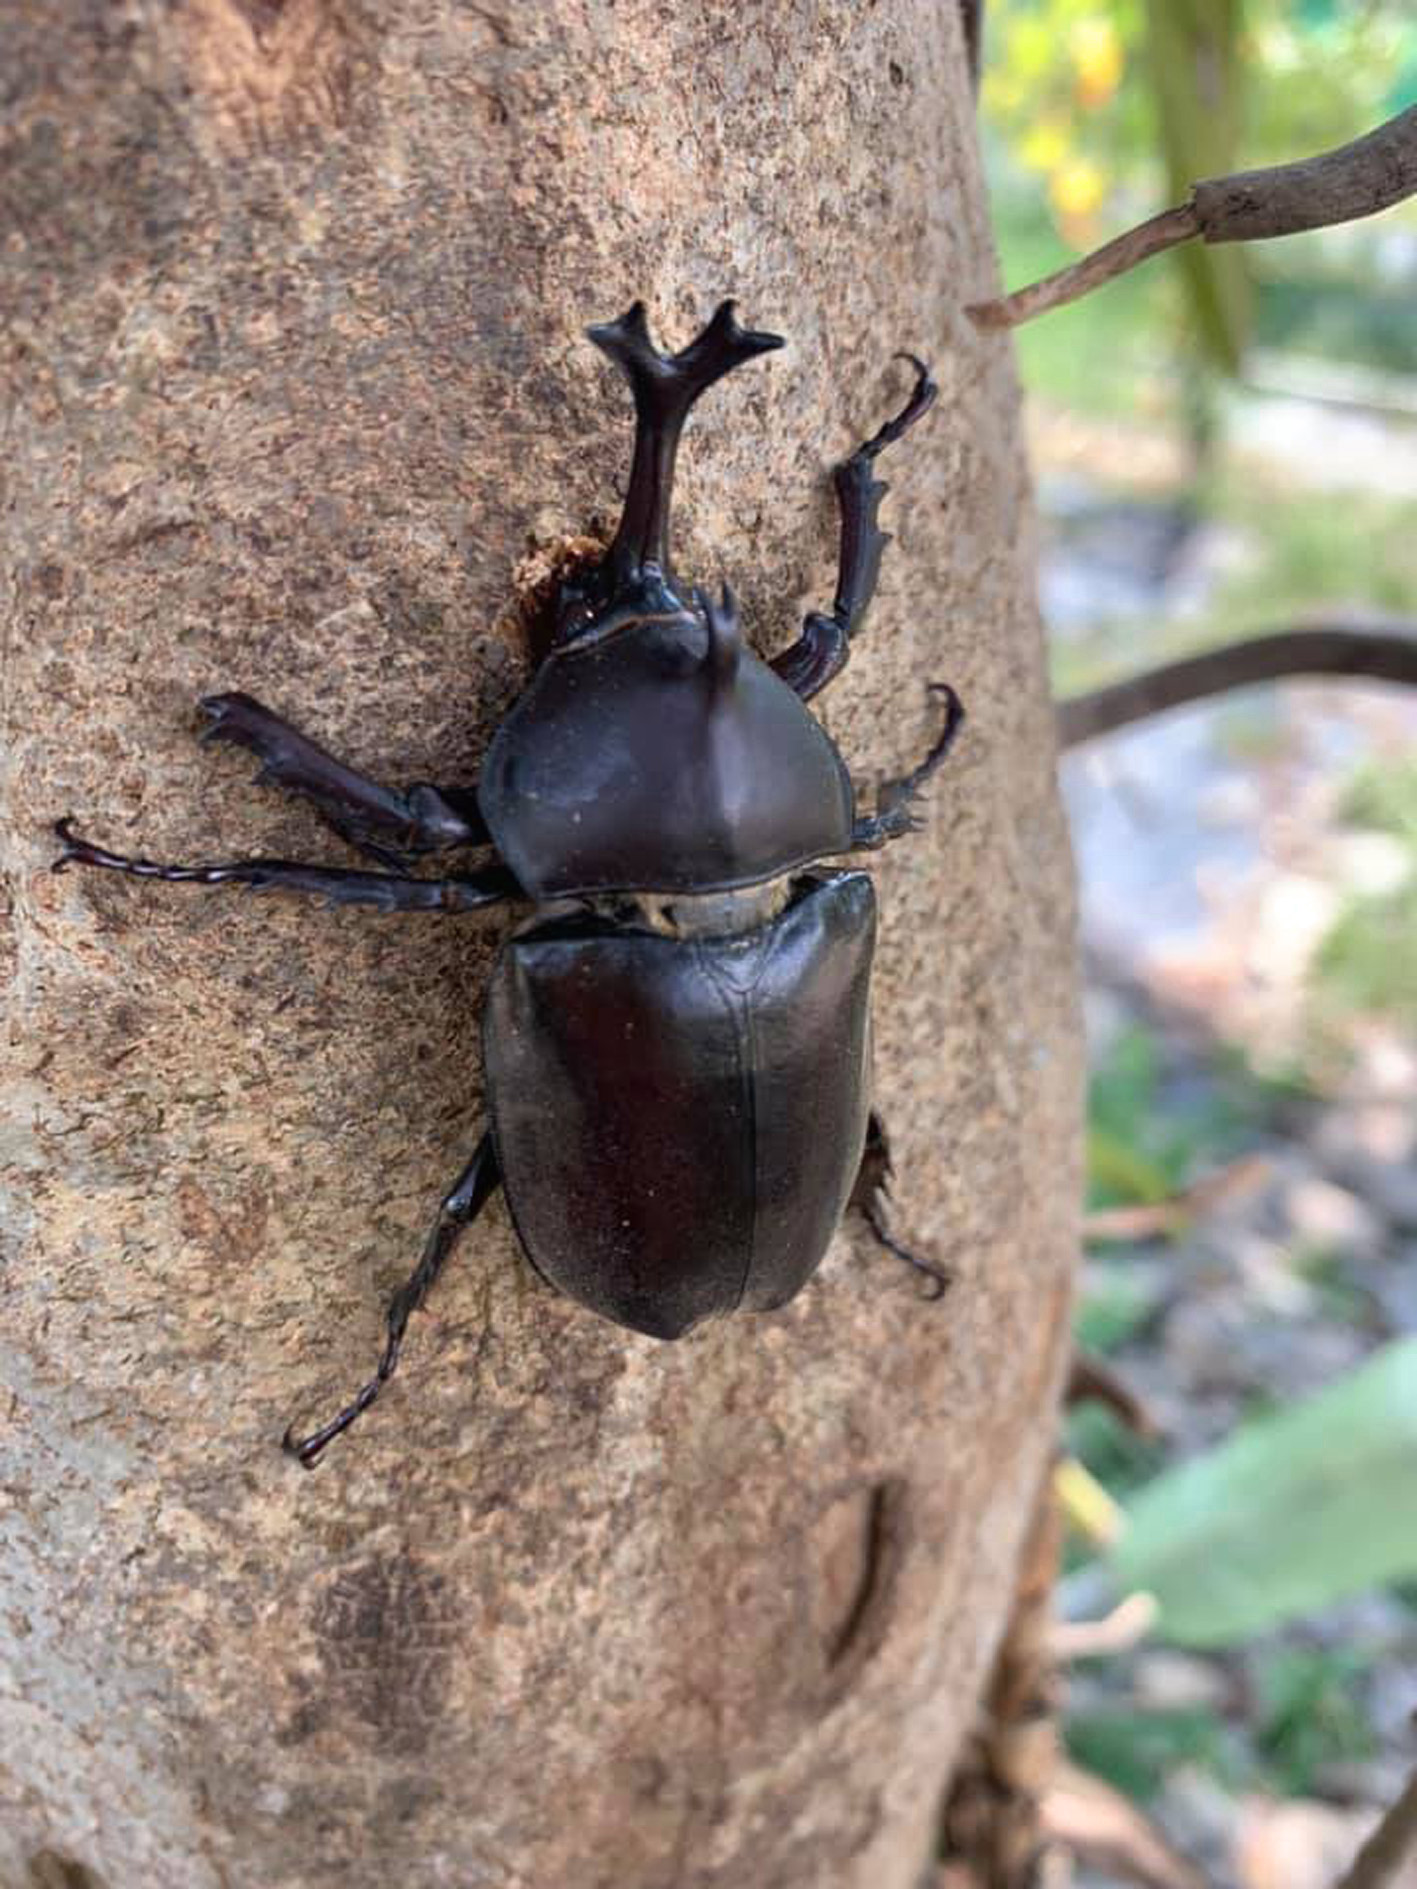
1095,1823
1081,278
1091,1379
1384,649
1356,180
1160,1218
1388,1860
1128,1624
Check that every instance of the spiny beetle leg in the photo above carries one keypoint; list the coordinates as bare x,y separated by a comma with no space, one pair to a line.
870,1195
379,820
385,891
466,1198
824,646
896,815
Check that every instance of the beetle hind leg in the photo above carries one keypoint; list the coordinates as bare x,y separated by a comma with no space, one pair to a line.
461,1205
384,891
870,1196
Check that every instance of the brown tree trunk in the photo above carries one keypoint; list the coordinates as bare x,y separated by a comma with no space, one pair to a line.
293,294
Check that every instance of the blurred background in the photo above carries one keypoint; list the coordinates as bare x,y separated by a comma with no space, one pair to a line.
1225,443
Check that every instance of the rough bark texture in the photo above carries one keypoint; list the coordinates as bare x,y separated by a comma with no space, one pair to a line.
292,298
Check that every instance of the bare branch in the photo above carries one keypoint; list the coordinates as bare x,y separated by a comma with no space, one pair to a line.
1092,1380
1081,278
1356,180
1128,1624
1160,1218
1341,186
1383,649
1388,1860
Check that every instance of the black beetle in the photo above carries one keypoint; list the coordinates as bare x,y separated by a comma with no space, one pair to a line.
677,1044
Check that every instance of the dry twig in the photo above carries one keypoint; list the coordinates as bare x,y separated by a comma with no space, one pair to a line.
1095,1822
1159,1218
1388,1860
1128,1624
1092,1380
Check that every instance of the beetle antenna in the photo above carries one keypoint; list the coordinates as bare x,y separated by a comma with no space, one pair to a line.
665,387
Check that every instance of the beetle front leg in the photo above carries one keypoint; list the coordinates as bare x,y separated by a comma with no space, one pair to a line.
385,891
870,1196
379,820
824,646
462,1204
896,814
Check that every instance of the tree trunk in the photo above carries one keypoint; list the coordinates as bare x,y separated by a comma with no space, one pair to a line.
293,294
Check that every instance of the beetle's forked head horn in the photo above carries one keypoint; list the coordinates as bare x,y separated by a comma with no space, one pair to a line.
665,387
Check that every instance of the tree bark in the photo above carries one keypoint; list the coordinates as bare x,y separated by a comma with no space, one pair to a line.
293,293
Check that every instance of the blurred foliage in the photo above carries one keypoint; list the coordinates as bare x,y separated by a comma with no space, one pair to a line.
1309,1713
1147,1136
1101,112
1083,92
1197,79
1308,1717
1113,1308
1368,962
1122,1461
1137,1751
1383,797
1309,1504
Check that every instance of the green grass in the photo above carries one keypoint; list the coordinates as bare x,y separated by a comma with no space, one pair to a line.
1310,1715
1307,1715
1311,549
1120,1460
1383,797
1303,552
1368,961
1136,1751
1113,1308
1149,1135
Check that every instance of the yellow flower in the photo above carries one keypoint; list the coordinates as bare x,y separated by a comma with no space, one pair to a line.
1044,146
1076,190
1098,60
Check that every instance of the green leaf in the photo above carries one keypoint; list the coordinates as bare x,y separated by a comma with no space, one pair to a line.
1302,1508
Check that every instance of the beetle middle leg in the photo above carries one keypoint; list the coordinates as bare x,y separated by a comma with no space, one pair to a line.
870,1195
385,891
461,1205
824,647
388,824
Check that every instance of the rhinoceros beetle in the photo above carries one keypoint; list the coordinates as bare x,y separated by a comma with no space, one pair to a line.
677,1043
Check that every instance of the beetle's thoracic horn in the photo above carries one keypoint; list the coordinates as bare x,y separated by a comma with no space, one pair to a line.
725,638
665,386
